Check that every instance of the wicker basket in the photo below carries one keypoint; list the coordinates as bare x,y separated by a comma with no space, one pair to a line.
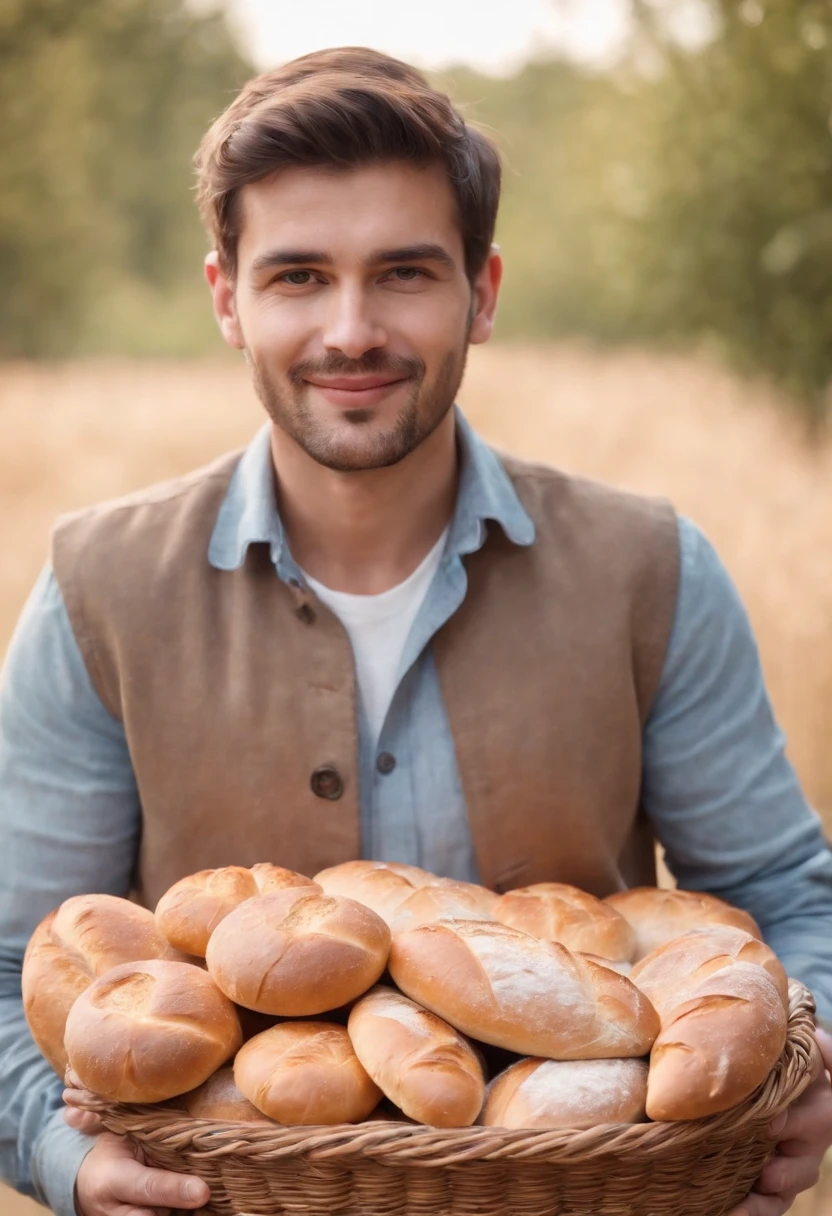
700,1168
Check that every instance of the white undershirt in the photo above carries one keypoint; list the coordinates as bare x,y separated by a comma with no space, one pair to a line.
378,626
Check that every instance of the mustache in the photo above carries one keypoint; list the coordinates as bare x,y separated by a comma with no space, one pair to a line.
372,363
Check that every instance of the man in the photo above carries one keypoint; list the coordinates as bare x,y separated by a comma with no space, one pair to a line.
369,634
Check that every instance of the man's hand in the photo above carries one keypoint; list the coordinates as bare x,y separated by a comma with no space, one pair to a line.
114,1181
803,1134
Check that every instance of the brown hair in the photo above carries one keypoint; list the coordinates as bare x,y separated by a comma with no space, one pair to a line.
344,108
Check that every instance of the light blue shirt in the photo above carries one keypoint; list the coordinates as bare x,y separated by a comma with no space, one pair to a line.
723,798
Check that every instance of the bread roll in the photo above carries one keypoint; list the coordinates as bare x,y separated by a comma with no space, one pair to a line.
305,1073
219,1098
191,909
371,883
80,940
717,1045
668,972
459,900
296,952
658,915
561,913
146,1031
567,1093
621,966
424,1066
534,997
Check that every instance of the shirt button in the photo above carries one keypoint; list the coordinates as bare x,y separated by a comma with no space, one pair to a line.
326,782
385,763
306,613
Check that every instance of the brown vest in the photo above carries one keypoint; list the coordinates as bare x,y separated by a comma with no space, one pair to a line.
237,692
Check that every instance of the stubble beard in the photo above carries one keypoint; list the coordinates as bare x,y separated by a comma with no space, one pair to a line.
362,447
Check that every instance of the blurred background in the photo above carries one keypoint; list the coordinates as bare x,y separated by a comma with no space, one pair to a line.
666,319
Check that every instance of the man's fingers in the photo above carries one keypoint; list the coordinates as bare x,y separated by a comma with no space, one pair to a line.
142,1187
782,1174
83,1120
824,1042
763,1205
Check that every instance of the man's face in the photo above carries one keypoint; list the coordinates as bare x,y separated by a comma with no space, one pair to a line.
353,307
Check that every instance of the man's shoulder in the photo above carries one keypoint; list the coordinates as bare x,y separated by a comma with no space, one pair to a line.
555,491
203,486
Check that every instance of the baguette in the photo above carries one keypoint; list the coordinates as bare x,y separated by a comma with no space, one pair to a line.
561,913
658,915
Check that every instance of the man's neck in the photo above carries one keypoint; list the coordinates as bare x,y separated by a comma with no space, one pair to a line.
366,532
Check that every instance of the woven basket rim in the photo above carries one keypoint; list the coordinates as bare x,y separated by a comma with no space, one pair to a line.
416,1144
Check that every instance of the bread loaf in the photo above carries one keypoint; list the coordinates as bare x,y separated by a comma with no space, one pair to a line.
84,937
297,953
377,886
420,1062
219,1098
146,1031
722,997
567,1093
191,909
665,975
562,913
533,997
459,900
658,915
305,1073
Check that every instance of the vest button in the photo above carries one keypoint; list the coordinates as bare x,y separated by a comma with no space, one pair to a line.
326,782
385,763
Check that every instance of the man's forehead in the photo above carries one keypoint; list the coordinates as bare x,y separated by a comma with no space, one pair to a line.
368,207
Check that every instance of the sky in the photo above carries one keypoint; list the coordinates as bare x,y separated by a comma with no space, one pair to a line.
493,35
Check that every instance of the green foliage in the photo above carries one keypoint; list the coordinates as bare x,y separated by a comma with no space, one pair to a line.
103,103
685,197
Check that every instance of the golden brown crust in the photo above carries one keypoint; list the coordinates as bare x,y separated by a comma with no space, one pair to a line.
659,914
293,953
147,1031
418,1060
501,986
567,1093
558,912
219,1098
305,1073
191,909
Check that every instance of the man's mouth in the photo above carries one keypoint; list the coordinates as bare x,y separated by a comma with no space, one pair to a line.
356,392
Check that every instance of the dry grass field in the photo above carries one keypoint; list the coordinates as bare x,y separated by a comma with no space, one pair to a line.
721,449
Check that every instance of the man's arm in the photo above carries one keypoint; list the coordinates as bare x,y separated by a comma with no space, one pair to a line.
723,798
69,823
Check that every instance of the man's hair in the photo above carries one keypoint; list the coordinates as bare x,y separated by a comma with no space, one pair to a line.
344,108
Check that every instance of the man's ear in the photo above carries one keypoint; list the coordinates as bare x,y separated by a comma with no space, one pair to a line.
225,304
486,291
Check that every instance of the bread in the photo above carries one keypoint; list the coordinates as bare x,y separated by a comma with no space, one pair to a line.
146,1031
533,997
80,940
620,965
297,953
219,1098
191,909
567,1093
671,970
459,900
305,1073
722,997
658,915
420,1062
562,913
378,886
717,1045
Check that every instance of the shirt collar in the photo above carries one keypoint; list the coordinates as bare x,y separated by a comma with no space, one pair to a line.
249,514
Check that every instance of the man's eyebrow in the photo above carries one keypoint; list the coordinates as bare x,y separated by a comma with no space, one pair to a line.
288,257
412,253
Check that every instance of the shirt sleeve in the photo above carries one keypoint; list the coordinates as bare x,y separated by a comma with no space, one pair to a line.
69,824
723,797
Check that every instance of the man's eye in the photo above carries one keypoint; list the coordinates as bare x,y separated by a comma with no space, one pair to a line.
407,274
296,278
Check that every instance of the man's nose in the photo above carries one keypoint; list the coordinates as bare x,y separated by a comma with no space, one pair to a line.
352,325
